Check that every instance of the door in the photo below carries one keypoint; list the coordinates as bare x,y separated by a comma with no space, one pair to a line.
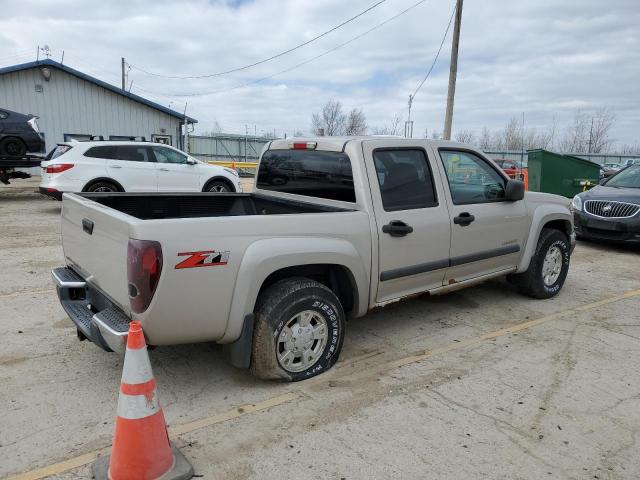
174,173
132,167
411,218
487,231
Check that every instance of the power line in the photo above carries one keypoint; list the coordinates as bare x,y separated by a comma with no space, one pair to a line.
433,64
298,65
238,69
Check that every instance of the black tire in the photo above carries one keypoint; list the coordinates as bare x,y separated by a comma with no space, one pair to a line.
219,186
278,306
13,147
532,282
103,186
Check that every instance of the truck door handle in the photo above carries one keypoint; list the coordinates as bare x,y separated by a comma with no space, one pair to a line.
397,228
464,219
163,169
116,166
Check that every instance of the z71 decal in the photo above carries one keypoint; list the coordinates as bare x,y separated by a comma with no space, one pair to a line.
207,258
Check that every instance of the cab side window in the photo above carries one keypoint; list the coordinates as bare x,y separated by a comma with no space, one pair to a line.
405,179
471,178
166,155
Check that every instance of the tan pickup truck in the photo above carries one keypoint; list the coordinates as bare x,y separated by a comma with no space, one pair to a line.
334,228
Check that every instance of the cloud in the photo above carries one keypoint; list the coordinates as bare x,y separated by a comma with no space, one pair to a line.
546,58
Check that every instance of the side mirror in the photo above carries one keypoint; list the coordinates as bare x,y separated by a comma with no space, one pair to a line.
514,190
603,180
191,161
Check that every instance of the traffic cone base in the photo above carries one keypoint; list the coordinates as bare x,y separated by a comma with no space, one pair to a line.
182,469
141,449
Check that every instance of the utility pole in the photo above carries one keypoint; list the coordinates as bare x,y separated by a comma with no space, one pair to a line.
408,125
246,132
124,83
453,71
185,141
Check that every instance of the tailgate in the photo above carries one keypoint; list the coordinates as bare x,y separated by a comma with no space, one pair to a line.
95,239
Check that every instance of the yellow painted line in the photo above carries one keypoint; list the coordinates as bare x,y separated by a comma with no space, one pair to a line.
87,458
507,330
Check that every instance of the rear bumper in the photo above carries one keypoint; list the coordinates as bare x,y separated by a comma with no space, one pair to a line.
94,315
51,192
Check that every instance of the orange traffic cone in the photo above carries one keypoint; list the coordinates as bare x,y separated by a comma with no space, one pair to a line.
141,449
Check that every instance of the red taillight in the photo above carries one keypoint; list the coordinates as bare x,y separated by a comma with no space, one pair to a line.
144,265
303,145
59,168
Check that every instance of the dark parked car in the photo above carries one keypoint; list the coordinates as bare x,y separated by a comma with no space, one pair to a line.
611,210
19,135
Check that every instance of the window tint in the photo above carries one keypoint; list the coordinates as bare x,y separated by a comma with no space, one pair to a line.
471,179
405,179
101,152
308,172
627,178
132,153
166,155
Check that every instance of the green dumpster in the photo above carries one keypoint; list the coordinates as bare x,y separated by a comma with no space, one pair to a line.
560,174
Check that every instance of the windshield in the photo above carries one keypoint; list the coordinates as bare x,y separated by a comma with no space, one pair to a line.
627,178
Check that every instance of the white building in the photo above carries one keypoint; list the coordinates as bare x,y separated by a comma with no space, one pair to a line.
71,104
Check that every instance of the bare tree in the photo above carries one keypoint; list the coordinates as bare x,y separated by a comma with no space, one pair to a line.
486,141
599,131
465,136
512,135
298,133
356,123
628,149
331,121
392,129
216,129
575,135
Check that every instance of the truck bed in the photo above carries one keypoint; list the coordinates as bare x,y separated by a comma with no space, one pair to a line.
151,206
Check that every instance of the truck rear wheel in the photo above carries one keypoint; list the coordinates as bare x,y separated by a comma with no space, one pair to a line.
548,268
298,332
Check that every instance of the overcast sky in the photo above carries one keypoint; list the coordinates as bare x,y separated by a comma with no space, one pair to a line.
545,58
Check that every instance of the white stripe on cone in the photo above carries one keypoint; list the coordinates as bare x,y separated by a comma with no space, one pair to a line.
135,407
137,367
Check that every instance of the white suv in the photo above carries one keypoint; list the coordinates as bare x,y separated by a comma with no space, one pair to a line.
110,166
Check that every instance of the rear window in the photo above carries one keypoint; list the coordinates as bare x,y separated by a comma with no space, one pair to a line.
312,173
56,152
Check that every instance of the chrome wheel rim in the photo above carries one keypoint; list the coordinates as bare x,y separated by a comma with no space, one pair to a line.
552,266
301,341
104,189
218,188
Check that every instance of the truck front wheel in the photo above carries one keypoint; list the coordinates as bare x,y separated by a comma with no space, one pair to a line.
298,332
548,268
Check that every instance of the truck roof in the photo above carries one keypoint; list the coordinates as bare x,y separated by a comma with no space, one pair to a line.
338,143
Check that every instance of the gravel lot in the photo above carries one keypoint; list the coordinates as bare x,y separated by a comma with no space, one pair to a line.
479,384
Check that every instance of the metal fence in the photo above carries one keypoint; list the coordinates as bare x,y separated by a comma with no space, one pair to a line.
599,158
226,148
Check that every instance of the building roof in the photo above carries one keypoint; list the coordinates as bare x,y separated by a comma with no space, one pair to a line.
131,96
